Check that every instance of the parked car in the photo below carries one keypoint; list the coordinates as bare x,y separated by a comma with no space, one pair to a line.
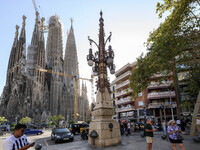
62,134
33,131
77,128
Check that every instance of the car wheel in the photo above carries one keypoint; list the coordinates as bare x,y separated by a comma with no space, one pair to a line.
39,133
71,140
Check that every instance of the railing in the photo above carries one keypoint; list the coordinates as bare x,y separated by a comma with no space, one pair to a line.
124,109
161,95
128,73
155,105
124,92
122,101
122,84
158,85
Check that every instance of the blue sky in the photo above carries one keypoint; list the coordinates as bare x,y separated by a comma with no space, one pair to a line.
130,22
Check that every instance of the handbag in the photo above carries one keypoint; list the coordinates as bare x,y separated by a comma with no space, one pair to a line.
179,136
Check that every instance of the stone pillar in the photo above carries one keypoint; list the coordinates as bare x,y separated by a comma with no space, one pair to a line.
103,113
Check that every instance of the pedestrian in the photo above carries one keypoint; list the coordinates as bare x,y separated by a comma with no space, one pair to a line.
164,127
174,131
129,127
149,134
18,140
198,124
183,125
178,122
132,127
122,128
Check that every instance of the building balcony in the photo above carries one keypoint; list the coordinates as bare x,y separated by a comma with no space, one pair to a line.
124,109
123,101
122,84
161,104
157,85
124,75
122,93
161,95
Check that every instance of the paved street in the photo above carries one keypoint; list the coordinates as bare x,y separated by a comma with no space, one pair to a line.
128,143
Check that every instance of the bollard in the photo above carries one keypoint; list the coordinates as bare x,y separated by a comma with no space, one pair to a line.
38,147
93,135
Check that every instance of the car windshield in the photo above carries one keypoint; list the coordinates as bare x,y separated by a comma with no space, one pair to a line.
62,130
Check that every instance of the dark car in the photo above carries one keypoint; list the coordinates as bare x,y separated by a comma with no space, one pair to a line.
33,131
77,128
62,134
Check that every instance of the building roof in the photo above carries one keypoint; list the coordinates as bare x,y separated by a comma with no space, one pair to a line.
124,68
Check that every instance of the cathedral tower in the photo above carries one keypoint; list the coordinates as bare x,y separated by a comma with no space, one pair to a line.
70,68
54,58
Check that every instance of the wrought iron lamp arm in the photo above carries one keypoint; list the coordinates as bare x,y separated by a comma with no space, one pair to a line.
92,41
109,38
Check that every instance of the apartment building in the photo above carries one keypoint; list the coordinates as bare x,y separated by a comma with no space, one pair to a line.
127,108
161,99
157,101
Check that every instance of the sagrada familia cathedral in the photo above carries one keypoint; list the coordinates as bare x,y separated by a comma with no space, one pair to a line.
37,84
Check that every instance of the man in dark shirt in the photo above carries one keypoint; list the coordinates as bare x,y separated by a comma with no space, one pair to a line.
149,134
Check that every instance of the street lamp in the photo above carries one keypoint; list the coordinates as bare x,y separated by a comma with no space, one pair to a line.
102,58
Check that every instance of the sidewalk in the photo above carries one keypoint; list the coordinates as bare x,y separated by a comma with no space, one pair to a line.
132,142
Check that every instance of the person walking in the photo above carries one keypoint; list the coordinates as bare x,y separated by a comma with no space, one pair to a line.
18,140
183,125
129,128
164,127
132,127
149,134
174,131
198,124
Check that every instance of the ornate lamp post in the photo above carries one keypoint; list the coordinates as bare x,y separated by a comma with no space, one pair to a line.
103,125
101,59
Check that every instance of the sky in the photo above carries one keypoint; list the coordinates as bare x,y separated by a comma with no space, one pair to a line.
130,22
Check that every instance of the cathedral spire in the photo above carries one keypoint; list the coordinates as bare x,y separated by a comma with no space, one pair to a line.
16,36
42,29
12,58
22,40
35,35
22,35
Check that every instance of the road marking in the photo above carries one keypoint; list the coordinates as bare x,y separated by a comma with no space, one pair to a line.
46,143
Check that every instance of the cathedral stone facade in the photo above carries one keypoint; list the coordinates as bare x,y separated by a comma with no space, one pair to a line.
38,81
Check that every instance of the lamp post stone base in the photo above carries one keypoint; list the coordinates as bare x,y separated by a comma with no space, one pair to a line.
108,130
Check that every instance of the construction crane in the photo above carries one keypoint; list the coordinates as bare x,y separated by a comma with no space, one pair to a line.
76,87
45,27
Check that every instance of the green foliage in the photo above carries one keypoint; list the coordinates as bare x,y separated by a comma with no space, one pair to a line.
72,122
56,119
178,35
12,126
2,119
25,120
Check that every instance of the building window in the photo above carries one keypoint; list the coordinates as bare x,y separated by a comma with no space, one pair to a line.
140,103
140,94
113,89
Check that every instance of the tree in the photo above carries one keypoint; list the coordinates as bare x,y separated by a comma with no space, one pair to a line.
2,119
56,119
175,42
25,120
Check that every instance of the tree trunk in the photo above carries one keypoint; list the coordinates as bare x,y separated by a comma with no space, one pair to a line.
176,86
194,117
